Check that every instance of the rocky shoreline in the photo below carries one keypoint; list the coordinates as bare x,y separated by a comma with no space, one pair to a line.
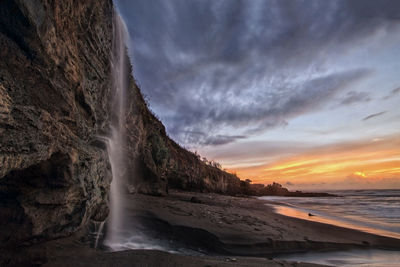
276,189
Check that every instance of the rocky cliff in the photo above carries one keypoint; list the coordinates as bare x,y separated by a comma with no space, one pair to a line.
157,163
55,91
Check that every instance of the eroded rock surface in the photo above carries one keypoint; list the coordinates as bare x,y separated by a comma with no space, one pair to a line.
54,91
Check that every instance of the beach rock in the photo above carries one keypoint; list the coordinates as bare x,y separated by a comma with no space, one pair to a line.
276,189
195,200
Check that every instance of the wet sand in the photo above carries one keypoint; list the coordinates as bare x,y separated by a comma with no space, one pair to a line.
80,256
72,251
298,213
247,226
213,230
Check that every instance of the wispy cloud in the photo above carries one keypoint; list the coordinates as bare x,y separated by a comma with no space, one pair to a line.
355,97
393,93
374,115
222,139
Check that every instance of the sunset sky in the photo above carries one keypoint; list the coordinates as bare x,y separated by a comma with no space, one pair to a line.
304,93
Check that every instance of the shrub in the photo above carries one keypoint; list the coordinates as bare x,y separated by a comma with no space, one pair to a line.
159,150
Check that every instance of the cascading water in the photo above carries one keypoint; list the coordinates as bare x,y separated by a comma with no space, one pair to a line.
117,140
122,232
99,233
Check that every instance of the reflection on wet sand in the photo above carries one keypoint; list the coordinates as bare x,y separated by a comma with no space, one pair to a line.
297,213
370,258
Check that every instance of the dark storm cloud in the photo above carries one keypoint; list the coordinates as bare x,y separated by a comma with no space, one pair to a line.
374,115
262,111
210,67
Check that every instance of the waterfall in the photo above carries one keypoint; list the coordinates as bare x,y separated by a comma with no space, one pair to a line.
117,141
122,232
99,233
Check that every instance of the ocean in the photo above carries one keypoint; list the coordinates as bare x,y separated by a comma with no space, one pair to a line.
373,211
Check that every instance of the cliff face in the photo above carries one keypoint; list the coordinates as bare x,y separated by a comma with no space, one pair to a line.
157,163
55,92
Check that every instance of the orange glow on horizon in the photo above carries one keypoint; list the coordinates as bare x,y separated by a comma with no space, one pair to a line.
361,174
352,164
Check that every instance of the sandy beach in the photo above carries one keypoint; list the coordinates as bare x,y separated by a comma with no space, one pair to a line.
200,229
247,226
